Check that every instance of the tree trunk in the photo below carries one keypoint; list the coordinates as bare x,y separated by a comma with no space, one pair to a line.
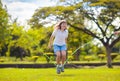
109,60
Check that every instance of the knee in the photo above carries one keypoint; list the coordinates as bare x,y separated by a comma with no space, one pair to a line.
58,55
64,56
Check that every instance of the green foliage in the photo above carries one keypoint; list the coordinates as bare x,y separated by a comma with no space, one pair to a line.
2,60
33,39
77,14
58,12
4,32
109,4
117,58
39,38
69,52
70,13
88,58
83,53
48,56
101,56
114,55
35,58
76,39
71,58
16,37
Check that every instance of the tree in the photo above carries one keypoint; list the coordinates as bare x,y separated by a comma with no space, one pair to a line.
104,21
77,39
57,13
93,17
4,29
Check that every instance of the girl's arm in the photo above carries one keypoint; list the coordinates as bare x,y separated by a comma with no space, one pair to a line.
117,32
66,40
50,41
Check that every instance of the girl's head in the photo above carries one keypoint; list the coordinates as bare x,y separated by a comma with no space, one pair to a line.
62,25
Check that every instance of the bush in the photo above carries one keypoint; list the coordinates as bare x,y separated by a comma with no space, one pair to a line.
2,60
114,55
35,58
69,52
118,57
88,58
48,56
83,53
102,56
71,58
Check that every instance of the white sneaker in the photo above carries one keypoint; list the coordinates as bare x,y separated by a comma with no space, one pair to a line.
58,69
62,68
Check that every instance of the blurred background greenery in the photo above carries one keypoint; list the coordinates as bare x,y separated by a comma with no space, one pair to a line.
21,45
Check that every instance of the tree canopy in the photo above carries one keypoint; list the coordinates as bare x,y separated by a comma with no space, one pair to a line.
4,32
97,18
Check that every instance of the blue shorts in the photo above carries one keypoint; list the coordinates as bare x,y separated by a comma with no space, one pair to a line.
59,48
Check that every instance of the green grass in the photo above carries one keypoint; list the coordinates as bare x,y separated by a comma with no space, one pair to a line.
49,74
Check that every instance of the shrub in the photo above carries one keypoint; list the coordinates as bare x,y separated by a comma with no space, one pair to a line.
101,56
69,52
88,58
118,57
34,58
83,53
2,60
48,56
71,58
114,55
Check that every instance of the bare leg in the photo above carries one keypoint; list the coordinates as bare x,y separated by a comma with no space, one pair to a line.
58,57
63,56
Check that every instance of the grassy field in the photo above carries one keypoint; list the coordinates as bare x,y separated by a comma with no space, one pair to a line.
70,74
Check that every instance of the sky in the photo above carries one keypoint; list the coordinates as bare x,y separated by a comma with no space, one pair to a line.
24,9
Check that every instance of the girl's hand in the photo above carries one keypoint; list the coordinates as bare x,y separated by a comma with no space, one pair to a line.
50,46
117,32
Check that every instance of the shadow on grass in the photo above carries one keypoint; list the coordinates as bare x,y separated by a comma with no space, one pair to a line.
67,75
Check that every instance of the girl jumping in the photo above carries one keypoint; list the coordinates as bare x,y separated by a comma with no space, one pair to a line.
60,35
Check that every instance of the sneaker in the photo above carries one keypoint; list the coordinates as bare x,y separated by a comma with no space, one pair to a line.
62,68
58,69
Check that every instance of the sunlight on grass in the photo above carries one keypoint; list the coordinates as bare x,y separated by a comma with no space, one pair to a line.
49,74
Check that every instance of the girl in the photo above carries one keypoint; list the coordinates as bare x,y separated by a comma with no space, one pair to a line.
59,35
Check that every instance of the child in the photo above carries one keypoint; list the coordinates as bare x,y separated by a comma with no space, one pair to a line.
59,35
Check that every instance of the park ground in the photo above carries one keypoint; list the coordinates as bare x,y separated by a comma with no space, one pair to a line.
101,73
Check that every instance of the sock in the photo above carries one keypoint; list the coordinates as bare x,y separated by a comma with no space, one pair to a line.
58,65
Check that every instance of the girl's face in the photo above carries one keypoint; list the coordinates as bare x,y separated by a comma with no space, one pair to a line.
63,26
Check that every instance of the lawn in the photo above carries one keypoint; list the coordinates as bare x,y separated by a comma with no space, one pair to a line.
70,74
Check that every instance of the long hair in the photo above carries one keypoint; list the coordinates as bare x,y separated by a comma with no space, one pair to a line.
58,25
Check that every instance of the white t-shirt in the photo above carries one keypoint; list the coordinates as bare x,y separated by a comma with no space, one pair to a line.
60,37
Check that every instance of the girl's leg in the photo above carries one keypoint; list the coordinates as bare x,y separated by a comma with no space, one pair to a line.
63,53
58,58
58,55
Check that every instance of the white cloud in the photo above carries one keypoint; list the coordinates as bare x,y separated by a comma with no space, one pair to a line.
24,9
21,10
